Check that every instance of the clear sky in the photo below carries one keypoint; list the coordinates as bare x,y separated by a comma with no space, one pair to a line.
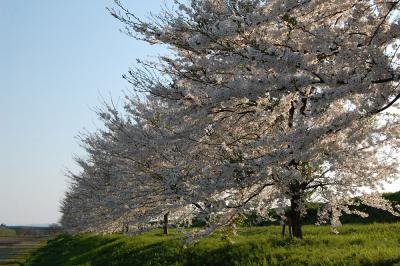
57,59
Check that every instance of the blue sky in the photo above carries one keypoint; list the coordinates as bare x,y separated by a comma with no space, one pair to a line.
57,60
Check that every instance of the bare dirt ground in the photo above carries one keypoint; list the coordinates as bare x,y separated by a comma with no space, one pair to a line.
14,249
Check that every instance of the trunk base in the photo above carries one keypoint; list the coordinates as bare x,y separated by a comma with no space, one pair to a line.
293,221
165,225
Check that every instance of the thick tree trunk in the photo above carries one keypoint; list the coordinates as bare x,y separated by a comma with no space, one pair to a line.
295,219
296,226
165,225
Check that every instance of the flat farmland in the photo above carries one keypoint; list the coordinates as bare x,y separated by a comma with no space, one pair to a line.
15,249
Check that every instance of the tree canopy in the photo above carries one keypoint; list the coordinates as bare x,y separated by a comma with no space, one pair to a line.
261,104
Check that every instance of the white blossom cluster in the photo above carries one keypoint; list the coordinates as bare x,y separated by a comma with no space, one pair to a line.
264,104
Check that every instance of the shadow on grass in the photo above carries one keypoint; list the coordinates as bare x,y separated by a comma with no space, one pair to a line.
368,245
68,250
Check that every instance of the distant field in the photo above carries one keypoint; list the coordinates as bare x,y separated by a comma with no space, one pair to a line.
15,249
7,232
375,244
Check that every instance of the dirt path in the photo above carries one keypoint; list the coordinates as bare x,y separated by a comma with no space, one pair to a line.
14,249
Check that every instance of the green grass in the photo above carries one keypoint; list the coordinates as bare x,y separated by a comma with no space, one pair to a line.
375,244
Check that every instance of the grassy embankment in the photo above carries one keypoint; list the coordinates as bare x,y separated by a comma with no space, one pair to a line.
374,244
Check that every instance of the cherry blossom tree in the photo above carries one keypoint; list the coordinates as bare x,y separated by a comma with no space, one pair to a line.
263,104
137,172
290,96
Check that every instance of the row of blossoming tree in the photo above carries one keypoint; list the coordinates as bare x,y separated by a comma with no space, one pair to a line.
262,104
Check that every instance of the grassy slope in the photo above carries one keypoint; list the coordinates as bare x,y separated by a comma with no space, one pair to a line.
375,244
